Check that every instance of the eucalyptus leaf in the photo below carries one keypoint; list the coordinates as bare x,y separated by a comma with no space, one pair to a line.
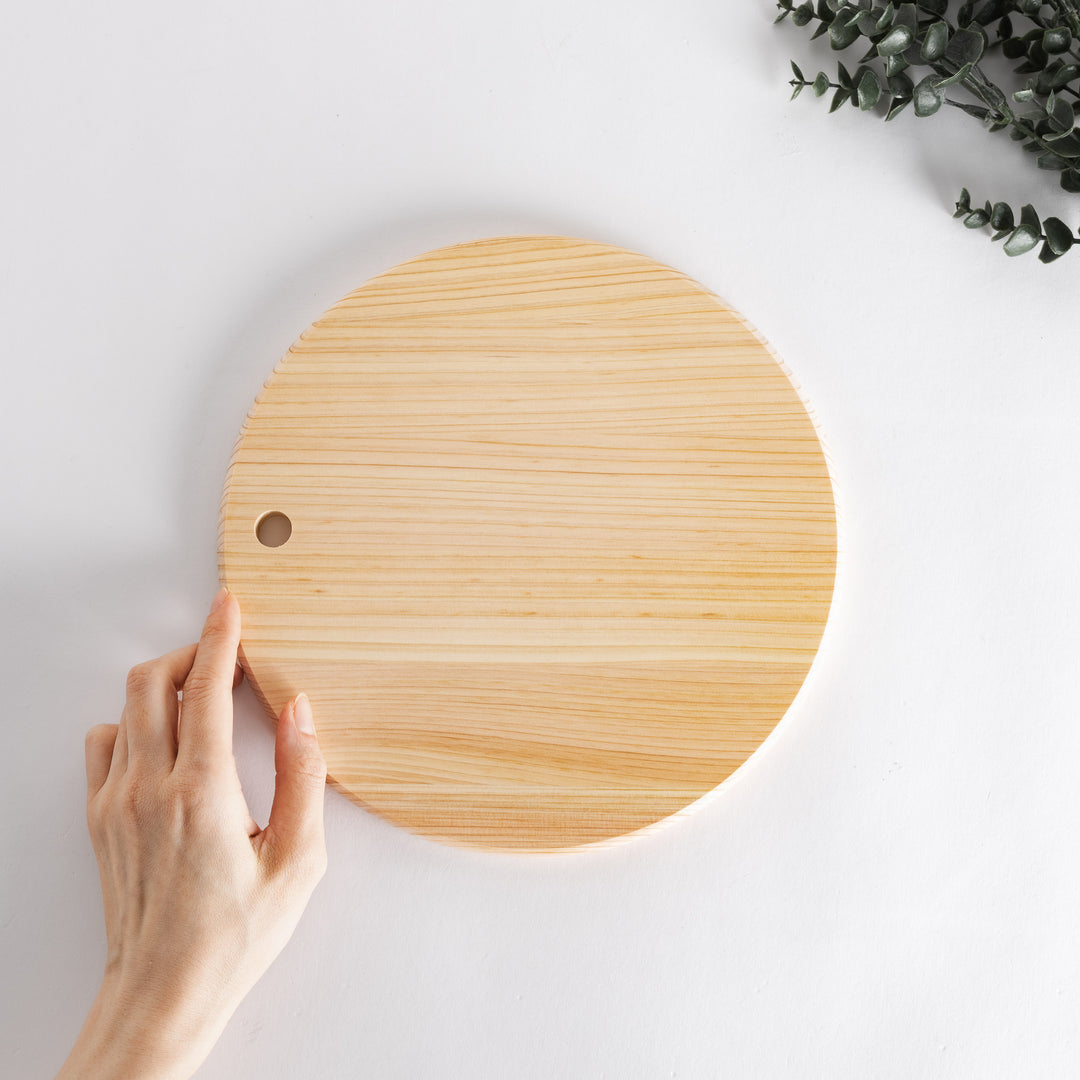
956,77
896,106
977,219
838,99
821,83
934,42
1030,218
1058,235
1056,39
1062,75
900,85
869,90
990,10
965,47
895,65
927,97
1037,56
841,34
895,41
963,204
1065,143
906,15
1060,112
1022,239
1050,162
1001,217
887,16
866,23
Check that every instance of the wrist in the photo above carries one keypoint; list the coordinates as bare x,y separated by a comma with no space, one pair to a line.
124,1038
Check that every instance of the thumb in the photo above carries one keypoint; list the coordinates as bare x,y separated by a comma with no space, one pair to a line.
294,833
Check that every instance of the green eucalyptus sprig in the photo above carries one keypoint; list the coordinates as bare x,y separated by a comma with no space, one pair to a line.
1019,237
943,43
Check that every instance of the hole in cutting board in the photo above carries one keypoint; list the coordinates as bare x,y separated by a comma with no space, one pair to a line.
273,529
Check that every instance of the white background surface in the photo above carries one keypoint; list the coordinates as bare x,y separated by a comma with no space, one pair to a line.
890,888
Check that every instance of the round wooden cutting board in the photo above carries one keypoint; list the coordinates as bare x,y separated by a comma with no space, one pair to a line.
545,533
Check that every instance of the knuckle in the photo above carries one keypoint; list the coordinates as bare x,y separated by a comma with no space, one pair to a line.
190,796
99,736
137,800
312,766
217,634
141,678
132,801
94,817
198,685
312,770
215,629
308,864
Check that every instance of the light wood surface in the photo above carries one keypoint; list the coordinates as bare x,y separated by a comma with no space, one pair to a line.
562,549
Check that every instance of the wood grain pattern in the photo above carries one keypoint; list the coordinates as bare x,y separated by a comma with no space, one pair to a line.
563,541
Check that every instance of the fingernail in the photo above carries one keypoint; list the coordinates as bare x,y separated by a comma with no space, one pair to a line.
219,599
302,711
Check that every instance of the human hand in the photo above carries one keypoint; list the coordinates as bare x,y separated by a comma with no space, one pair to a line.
198,899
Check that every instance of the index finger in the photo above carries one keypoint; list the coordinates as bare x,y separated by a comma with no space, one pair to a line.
206,715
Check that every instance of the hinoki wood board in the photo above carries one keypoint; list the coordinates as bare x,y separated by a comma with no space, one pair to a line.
562,541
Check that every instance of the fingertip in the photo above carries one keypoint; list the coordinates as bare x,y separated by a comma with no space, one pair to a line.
224,606
223,621
207,689
302,714
295,827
